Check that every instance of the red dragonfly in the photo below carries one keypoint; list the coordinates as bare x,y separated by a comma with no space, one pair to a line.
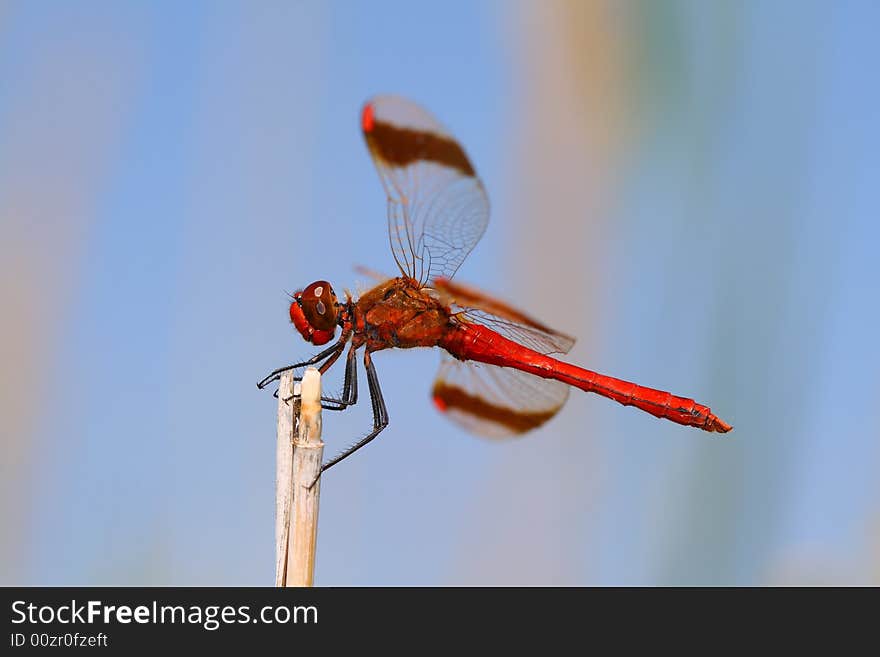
500,377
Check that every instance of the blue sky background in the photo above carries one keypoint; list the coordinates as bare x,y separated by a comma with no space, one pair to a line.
169,171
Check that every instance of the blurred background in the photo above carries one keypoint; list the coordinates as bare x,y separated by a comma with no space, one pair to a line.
690,188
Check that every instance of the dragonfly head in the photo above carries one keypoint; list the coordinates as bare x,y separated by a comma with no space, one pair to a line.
314,311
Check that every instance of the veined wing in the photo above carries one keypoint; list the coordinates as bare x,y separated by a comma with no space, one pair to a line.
478,307
437,207
495,402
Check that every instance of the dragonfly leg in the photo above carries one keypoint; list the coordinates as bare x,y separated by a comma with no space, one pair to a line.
349,387
380,417
332,352
327,364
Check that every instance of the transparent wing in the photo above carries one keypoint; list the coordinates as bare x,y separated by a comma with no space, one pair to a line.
492,401
495,402
437,207
476,306
542,341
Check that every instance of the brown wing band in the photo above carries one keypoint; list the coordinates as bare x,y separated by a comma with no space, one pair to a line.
448,398
402,146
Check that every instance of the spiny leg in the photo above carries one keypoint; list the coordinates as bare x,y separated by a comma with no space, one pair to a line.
349,387
380,417
333,350
327,364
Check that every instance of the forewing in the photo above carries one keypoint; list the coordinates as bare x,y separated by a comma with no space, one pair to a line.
437,206
495,402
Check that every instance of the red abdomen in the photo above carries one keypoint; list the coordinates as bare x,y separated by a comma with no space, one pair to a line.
478,343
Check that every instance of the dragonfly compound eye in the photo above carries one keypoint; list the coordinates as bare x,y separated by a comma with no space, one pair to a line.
319,306
314,312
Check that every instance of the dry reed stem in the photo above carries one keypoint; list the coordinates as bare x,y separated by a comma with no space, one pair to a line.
299,454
